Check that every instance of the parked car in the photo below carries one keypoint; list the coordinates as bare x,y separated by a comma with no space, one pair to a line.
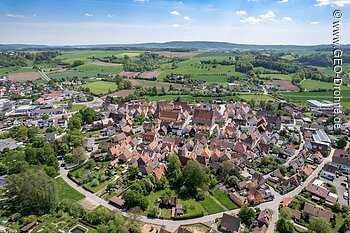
346,195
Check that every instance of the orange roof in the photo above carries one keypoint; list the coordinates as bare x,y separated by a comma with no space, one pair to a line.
308,169
285,201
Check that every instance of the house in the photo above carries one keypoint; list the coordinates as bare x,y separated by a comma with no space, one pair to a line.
184,230
90,142
3,179
230,223
317,190
27,228
314,211
8,143
203,117
50,137
179,209
341,160
117,202
168,201
328,172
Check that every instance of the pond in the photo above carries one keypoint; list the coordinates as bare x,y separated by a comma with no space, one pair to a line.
78,229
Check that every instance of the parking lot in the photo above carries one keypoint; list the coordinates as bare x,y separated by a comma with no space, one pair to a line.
337,182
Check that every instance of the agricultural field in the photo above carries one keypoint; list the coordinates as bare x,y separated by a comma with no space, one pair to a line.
310,85
100,87
277,76
297,97
24,76
195,68
5,71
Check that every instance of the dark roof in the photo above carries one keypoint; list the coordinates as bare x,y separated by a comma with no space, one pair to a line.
330,168
318,212
341,160
317,190
230,222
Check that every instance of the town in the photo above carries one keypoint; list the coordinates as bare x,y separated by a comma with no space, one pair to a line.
233,166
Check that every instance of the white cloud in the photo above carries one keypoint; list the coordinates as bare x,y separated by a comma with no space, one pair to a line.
175,25
174,13
34,15
339,3
283,1
268,15
252,0
250,20
287,19
315,22
141,0
14,16
187,18
241,12
111,15
88,15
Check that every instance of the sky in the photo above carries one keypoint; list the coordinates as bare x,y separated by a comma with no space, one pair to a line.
81,22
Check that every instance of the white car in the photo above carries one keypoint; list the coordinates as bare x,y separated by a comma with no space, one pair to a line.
346,195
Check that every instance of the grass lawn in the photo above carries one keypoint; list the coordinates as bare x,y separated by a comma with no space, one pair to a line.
210,206
66,192
269,182
100,87
166,213
76,107
223,199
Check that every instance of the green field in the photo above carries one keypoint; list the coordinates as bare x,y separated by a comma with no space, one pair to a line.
210,206
302,97
100,87
193,67
223,199
66,192
84,55
190,98
277,76
310,85
6,70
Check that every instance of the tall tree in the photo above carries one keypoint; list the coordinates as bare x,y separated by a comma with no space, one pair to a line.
283,226
194,176
174,169
32,192
247,215
319,225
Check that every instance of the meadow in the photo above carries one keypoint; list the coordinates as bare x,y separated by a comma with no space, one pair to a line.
100,87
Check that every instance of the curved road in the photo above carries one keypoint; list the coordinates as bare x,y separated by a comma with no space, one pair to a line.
172,225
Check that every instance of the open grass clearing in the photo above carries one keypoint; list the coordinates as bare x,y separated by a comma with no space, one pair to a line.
223,199
100,87
65,191
210,206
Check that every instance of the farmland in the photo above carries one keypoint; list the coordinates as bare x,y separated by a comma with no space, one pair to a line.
100,87
297,97
24,76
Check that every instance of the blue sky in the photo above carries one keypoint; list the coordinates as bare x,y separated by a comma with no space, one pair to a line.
133,21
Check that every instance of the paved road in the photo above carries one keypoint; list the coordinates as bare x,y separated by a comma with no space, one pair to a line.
172,225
